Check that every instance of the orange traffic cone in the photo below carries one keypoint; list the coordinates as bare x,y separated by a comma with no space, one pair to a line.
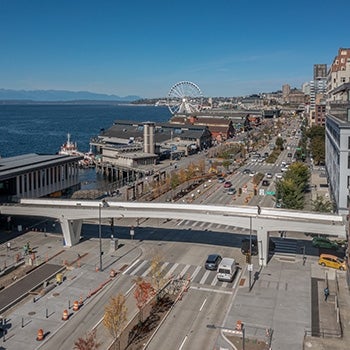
76,305
40,335
65,315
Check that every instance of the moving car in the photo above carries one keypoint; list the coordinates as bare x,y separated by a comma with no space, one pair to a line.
265,183
226,270
322,242
332,261
252,173
268,175
213,262
231,190
227,184
221,179
246,171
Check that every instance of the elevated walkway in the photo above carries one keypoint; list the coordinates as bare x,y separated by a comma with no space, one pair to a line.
71,213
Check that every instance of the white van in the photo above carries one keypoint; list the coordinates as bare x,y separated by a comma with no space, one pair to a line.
226,270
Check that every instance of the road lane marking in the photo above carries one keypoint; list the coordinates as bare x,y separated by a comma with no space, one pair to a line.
147,272
131,266
182,273
183,343
205,300
139,267
169,273
195,273
211,290
202,281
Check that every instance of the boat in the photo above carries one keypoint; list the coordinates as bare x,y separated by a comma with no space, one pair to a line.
71,149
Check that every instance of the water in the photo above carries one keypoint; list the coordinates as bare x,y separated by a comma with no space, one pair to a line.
43,128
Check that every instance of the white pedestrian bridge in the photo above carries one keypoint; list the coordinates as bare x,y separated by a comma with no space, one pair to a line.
71,213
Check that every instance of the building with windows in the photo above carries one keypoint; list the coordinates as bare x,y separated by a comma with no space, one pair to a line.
34,176
338,146
339,72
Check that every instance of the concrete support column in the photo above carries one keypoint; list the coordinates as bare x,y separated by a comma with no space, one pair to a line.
263,244
71,231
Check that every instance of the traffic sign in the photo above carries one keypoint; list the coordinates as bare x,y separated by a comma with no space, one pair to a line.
250,267
271,193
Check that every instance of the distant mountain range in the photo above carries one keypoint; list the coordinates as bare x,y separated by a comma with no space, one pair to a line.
60,96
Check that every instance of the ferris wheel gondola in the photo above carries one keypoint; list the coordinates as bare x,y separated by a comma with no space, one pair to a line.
184,97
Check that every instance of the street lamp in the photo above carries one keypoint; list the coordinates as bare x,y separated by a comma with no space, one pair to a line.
250,253
101,205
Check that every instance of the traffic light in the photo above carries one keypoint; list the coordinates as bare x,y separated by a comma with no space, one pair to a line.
248,258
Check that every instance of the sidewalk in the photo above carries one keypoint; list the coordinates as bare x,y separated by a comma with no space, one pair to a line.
81,283
288,298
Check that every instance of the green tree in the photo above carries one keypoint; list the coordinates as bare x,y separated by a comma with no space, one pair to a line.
290,190
289,194
299,173
279,143
322,204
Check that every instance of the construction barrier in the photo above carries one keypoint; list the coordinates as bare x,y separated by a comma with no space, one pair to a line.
40,335
65,315
76,305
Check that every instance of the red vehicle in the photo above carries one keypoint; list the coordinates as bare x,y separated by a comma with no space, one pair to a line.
227,184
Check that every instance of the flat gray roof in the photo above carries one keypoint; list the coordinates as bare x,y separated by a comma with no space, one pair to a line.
12,166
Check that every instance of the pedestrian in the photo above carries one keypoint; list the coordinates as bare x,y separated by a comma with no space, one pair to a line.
259,209
8,246
326,293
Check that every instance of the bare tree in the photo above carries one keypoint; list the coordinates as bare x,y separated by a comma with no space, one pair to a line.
143,292
157,274
115,316
89,342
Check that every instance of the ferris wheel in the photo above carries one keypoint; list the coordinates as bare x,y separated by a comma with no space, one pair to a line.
184,97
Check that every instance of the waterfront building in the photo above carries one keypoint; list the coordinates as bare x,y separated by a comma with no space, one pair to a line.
33,176
220,127
130,150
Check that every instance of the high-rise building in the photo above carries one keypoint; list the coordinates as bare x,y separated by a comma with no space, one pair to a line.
285,92
339,72
320,71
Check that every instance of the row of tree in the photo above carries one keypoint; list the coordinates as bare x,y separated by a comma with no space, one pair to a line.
115,315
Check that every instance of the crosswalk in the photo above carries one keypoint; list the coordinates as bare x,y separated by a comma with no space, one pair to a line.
196,274
209,226
286,247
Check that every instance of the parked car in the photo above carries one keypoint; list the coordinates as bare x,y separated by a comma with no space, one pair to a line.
265,183
213,262
227,184
322,242
246,244
268,175
332,261
278,176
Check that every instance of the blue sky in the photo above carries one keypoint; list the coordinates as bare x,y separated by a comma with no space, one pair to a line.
226,47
